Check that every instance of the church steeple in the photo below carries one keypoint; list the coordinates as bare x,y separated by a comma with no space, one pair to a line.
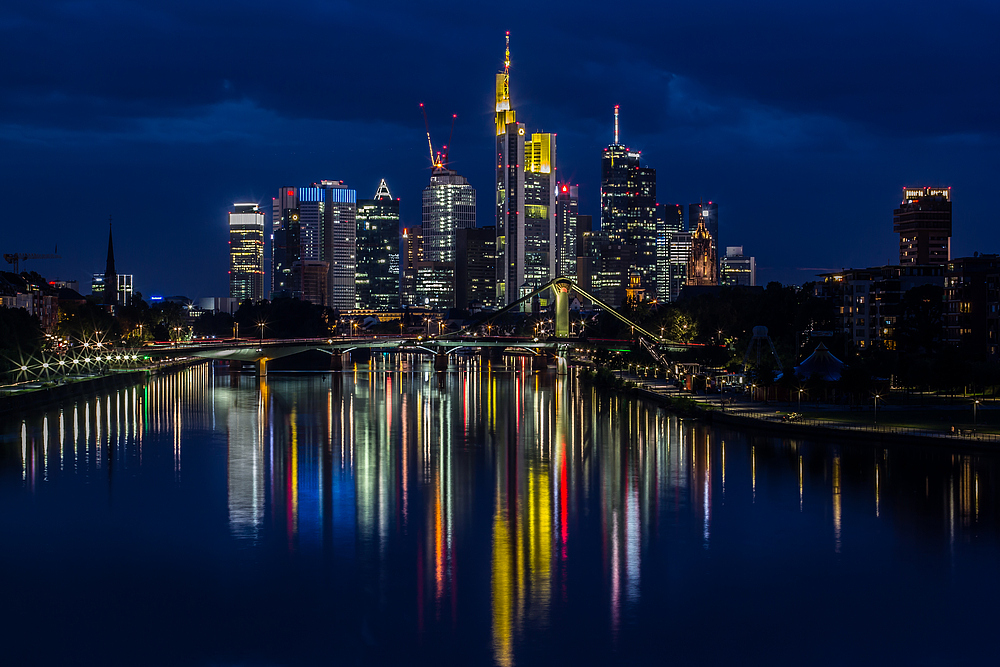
110,275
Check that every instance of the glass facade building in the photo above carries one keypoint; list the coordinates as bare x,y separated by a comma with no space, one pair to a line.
377,281
246,252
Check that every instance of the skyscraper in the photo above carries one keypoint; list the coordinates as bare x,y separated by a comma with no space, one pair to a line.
328,210
246,252
628,205
509,191
923,222
679,248
737,268
378,240
449,204
540,194
669,221
411,254
567,211
475,266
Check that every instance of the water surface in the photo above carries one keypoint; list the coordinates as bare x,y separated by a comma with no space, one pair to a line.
488,515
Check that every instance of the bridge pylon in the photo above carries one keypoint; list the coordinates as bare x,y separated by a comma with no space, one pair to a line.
562,287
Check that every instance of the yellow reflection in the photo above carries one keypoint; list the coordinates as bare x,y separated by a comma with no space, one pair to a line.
836,502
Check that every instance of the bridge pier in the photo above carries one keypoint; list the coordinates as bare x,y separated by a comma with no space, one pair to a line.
235,368
539,362
336,361
562,288
440,362
261,368
362,355
562,365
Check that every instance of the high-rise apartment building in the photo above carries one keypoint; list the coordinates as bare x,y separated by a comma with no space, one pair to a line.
327,210
923,222
377,283
510,173
475,266
246,252
567,212
411,254
628,206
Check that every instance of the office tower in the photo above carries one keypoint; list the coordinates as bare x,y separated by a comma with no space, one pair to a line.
703,264
567,211
679,248
328,209
110,274
509,191
475,266
285,248
611,281
449,204
628,205
377,238
435,284
737,268
411,254
669,221
540,195
311,280
246,252
708,214
923,222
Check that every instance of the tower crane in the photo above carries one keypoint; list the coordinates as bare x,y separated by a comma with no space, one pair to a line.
16,258
441,159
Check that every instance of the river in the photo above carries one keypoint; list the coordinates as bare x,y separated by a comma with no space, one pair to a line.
391,514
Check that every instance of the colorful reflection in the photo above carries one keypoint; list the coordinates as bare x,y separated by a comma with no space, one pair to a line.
490,500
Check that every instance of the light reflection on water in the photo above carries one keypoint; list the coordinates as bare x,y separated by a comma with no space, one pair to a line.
503,515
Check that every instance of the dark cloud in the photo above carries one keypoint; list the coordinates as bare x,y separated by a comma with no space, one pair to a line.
802,120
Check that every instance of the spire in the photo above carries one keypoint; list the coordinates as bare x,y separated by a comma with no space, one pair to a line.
616,124
110,275
505,115
383,191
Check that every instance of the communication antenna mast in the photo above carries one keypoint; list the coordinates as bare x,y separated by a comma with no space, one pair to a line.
616,124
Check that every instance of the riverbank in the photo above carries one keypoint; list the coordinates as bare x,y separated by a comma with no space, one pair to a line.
786,423
44,395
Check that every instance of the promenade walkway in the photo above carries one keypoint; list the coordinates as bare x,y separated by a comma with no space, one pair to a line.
731,407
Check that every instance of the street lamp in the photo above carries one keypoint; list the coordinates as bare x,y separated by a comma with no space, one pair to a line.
876,408
261,325
800,399
975,406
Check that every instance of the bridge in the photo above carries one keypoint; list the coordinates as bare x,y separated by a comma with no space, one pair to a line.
259,351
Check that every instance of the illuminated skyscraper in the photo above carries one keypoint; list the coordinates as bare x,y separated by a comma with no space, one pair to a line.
509,191
315,223
540,193
628,205
449,204
923,222
246,252
475,266
411,254
679,248
567,211
669,221
737,268
378,240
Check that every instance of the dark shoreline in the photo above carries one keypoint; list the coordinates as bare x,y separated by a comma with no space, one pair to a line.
49,396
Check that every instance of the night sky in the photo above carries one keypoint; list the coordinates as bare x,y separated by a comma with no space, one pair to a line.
802,120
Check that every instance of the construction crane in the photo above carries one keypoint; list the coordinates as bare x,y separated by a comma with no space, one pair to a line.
16,258
441,159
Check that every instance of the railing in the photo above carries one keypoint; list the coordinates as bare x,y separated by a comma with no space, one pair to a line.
785,418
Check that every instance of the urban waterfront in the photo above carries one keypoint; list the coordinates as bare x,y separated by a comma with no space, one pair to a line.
393,514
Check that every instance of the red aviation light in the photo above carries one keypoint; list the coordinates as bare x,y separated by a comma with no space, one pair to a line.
291,193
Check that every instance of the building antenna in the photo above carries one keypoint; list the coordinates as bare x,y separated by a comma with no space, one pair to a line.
506,60
616,124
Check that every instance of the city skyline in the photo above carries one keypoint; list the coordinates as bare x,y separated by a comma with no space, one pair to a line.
742,124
